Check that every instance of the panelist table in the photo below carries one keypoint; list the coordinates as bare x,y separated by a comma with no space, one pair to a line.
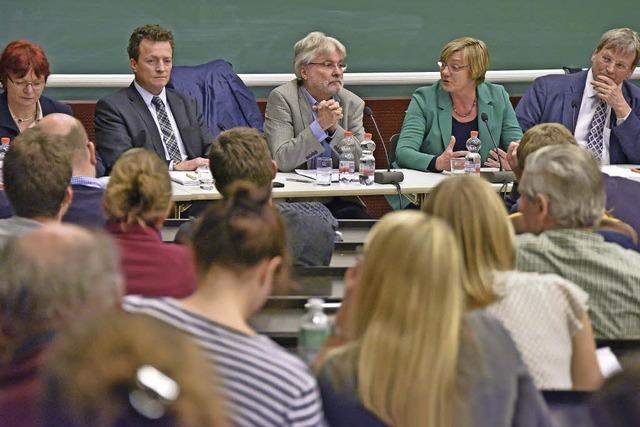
415,184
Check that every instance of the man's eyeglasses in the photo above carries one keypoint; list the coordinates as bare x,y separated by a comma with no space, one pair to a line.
606,60
330,65
22,84
454,68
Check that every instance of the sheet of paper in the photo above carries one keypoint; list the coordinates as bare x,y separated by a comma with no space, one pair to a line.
184,178
607,361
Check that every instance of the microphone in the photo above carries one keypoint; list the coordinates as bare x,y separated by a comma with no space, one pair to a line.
574,106
501,177
388,176
485,119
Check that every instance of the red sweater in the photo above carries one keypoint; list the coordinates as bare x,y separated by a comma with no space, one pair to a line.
151,267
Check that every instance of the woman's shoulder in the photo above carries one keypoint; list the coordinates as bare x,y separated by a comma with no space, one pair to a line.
548,283
52,106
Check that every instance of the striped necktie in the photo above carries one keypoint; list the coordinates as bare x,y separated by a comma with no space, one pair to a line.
594,138
168,137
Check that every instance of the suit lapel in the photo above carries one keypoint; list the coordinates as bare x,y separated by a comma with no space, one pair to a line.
485,105
6,121
573,96
137,103
306,114
444,116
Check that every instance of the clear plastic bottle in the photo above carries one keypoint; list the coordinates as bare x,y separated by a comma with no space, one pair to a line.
472,159
314,330
205,178
347,165
4,148
367,166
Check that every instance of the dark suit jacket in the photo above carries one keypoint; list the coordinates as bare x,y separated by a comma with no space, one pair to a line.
123,121
550,99
85,209
9,128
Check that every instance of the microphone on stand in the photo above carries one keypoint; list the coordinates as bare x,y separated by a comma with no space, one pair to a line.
388,176
501,177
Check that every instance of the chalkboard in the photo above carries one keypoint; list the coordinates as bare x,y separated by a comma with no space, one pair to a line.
258,36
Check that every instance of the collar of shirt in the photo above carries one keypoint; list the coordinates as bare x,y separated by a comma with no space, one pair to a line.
86,181
148,96
588,87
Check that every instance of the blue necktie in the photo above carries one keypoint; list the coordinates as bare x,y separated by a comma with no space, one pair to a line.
594,138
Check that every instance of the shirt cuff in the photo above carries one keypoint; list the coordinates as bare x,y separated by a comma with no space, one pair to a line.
432,165
318,132
621,120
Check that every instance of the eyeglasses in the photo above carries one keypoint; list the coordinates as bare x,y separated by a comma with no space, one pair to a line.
606,60
22,84
330,65
454,68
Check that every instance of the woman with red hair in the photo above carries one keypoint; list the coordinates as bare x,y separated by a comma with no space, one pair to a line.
24,70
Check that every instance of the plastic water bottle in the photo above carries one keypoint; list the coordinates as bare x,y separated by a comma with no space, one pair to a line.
4,148
472,159
205,178
314,330
367,166
347,165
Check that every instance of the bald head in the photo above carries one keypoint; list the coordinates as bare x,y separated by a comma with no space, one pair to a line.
52,276
75,137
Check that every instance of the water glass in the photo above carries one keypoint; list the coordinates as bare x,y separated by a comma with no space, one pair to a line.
324,165
457,165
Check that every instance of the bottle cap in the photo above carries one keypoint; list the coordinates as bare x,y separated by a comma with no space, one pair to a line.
474,134
367,135
348,133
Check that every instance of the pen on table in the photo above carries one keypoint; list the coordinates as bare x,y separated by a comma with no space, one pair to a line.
636,170
308,181
192,176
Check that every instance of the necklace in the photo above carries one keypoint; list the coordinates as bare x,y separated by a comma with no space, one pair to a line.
464,115
26,119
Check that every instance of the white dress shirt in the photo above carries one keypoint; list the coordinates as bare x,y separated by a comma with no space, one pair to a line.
148,97
588,107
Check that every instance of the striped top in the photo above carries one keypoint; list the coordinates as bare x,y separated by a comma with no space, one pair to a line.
264,384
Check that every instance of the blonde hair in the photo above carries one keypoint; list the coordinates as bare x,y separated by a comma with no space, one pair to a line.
410,314
480,223
139,189
312,45
475,53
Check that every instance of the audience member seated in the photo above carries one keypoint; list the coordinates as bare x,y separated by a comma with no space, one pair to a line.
24,71
137,201
412,352
146,114
241,256
562,202
142,372
600,106
53,277
86,207
545,314
306,118
243,154
37,175
544,135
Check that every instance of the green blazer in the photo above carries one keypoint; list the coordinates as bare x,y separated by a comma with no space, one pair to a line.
426,130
